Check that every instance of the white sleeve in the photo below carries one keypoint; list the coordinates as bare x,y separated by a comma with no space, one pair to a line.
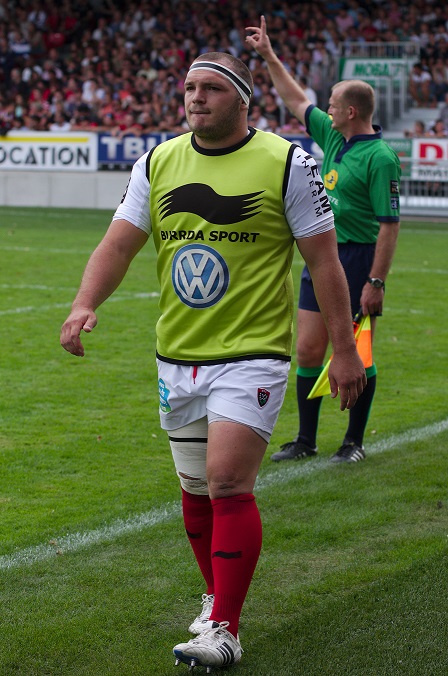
134,206
307,207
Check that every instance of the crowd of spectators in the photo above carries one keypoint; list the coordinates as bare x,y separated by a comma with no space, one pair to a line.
116,66
438,129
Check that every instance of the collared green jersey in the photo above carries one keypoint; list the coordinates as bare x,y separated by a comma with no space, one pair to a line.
361,176
224,224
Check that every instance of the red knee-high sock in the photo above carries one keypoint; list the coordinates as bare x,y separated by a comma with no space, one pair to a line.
198,519
236,545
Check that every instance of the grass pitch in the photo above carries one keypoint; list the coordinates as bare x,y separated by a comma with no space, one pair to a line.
96,575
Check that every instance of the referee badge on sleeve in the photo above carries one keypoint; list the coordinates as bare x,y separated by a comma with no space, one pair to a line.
394,188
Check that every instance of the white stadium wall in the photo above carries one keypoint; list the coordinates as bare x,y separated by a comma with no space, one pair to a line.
91,190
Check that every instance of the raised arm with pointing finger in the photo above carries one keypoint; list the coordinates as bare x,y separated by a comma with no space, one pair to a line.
288,89
361,174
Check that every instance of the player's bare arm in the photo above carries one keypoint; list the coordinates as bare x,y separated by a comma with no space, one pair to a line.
288,89
347,373
104,271
372,297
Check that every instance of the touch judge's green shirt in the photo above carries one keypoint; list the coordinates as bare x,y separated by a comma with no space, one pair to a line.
224,224
361,176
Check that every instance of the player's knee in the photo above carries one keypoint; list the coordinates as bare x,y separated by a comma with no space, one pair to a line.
310,354
193,485
223,485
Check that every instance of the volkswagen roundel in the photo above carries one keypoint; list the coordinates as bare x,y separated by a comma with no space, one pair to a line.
200,275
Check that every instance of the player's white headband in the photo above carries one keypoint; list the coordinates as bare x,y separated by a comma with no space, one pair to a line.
240,85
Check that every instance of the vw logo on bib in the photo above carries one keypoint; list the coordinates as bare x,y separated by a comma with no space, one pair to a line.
200,275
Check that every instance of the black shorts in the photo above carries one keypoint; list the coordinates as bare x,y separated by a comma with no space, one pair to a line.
357,261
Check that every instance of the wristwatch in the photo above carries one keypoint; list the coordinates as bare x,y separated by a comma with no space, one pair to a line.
376,282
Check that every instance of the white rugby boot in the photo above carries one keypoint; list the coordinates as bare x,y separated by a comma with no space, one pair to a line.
198,624
213,647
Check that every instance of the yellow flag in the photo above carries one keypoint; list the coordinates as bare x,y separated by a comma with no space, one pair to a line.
322,384
363,337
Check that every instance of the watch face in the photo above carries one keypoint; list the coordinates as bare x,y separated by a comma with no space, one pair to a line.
377,283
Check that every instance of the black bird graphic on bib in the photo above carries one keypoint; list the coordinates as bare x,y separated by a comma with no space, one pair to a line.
201,199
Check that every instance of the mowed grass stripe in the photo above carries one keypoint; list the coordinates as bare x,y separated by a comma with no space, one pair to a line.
155,517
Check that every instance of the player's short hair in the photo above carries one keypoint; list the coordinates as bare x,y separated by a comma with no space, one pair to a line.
358,94
231,62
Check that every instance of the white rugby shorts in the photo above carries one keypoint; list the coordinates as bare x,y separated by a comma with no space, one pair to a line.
249,392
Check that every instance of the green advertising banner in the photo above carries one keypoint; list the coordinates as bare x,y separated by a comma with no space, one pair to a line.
369,70
403,148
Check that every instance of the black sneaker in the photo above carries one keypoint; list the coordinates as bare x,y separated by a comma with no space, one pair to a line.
293,450
349,452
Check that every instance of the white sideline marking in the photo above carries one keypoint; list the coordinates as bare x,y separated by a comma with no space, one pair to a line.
33,249
297,469
435,271
76,541
37,287
66,252
53,306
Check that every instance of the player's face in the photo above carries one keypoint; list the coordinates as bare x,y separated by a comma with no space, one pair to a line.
339,111
214,110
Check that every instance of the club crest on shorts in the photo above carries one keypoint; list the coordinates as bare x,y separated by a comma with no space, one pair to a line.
263,396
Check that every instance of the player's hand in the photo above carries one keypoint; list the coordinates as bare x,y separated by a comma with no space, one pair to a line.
372,300
258,39
80,319
347,376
